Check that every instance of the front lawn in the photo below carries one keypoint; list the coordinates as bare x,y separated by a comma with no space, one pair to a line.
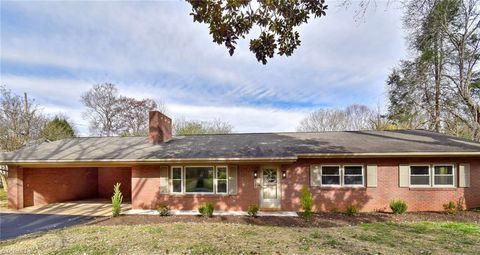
232,238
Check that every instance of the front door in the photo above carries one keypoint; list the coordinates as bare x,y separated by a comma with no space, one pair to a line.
270,188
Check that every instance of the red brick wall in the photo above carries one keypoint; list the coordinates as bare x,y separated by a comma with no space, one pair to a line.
49,185
146,195
146,180
109,176
371,199
15,187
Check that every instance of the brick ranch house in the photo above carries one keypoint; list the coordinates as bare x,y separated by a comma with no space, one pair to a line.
364,168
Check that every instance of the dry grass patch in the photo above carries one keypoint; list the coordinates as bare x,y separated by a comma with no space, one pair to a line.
3,199
221,238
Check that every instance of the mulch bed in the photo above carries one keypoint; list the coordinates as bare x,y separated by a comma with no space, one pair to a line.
318,220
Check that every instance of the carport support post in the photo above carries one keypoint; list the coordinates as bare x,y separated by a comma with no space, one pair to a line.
15,187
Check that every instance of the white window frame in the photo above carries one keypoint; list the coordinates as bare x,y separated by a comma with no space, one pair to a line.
339,176
185,183
215,180
420,185
181,179
352,185
453,176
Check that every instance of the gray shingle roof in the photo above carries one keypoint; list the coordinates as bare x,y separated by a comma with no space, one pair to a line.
243,146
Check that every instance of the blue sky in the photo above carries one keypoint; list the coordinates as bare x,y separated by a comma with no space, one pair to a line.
55,51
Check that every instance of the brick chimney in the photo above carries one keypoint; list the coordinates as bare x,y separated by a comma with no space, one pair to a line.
159,127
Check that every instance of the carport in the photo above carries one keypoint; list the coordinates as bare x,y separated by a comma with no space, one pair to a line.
91,187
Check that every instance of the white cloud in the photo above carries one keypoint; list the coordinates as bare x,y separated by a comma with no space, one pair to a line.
153,49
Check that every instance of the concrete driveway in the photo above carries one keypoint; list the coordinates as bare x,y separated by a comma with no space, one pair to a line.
95,207
33,219
16,224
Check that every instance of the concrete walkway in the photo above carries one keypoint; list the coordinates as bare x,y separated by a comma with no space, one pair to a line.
215,213
93,208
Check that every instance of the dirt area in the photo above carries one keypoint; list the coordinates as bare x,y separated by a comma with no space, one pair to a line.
319,220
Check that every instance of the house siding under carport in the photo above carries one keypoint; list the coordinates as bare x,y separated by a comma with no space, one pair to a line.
31,186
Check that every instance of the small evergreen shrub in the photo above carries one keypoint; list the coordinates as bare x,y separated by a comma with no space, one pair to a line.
253,210
450,207
163,210
206,210
351,210
398,206
306,200
117,199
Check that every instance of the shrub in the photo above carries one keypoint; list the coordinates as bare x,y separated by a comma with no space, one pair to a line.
460,204
306,200
163,210
253,210
351,210
398,206
450,207
206,209
116,200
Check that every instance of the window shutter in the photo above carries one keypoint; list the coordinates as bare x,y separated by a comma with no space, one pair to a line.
404,176
164,179
464,175
315,175
232,179
372,176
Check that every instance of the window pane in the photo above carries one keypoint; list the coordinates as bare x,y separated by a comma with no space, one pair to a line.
419,170
330,170
353,170
420,180
221,173
331,180
177,185
177,173
443,180
444,170
353,180
221,186
199,179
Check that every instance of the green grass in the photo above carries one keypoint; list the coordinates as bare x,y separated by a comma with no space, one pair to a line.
3,199
218,238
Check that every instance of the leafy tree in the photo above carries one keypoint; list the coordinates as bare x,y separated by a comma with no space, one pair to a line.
57,129
194,127
441,78
276,19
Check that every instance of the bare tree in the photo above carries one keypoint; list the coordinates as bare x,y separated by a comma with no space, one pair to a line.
193,127
134,115
21,120
354,117
103,109
112,114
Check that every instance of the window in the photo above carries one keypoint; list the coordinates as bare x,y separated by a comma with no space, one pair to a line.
353,175
330,175
443,175
222,179
199,179
420,175
177,179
